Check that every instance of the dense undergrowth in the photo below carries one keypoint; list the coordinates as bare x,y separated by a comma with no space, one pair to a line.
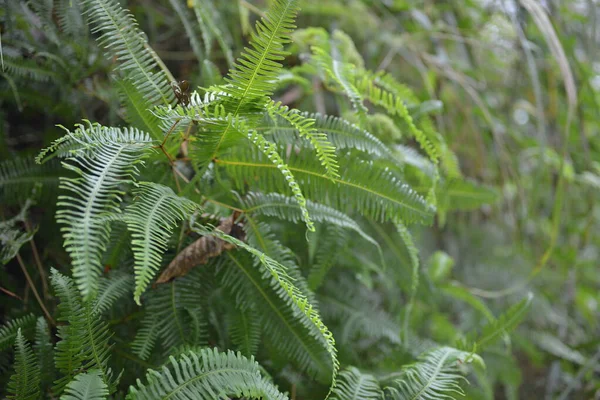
298,199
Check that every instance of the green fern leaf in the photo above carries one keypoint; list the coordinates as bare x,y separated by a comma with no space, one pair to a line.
8,331
19,176
116,285
119,35
84,341
435,376
137,109
284,207
108,159
305,127
151,219
44,351
502,326
363,186
174,315
86,386
354,385
206,375
256,71
244,330
24,383
281,276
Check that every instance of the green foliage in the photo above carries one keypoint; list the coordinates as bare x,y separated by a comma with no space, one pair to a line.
435,376
24,383
150,220
107,159
347,198
86,386
355,385
207,374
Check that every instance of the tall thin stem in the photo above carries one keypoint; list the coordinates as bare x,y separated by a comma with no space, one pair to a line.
34,290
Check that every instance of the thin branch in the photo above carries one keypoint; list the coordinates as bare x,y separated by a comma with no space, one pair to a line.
38,263
35,292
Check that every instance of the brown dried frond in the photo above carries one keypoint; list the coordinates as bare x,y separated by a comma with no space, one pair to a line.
202,250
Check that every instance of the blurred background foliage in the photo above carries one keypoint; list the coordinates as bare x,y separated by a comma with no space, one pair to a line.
512,86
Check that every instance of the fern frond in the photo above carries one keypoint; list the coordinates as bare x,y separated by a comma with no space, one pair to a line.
363,186
146,336
8,331
299,299
244,330
210,26
24,383
44,351
28,69
459,194
206,375
86,386
108,160
115,286
494,329
190,28
334,241
305,127
151,219
84,341
413,254
328,58
122,39
71,19
137,109
174,315
284,207
255,73
343,134
223,131
435,376
19,176
354,385
357,312
396,105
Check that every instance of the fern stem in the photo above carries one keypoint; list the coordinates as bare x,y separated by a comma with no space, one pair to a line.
35,292
252,8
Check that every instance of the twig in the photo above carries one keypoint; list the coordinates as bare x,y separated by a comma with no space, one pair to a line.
34,290
38,263
11,294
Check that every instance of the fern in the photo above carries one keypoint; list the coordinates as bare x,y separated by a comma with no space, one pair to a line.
108,159
119,34
254,74
245,330
44,352
20,175
293,336
304,126
506,323
362,187
151,220
24,383
354,385
172,310
115,286
84,342
86,386
8,332
413,253
435,376
206,375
